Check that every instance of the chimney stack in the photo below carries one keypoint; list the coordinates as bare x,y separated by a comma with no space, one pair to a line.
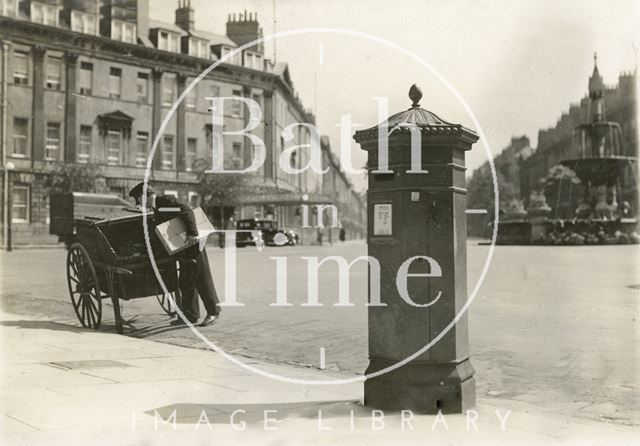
244,30
184,15
142,21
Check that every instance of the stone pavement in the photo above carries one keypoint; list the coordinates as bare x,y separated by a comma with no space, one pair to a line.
554,327
66,385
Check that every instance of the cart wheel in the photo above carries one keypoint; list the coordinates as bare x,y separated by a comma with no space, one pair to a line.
84,287
167,304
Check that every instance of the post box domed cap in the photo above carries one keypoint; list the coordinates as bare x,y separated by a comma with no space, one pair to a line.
428,122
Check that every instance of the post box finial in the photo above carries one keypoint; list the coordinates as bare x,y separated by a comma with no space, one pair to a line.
415,94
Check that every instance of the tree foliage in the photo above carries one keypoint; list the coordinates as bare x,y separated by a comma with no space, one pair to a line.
73,178
481,194
222,189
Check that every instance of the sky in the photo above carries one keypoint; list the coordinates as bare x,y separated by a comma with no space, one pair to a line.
517,64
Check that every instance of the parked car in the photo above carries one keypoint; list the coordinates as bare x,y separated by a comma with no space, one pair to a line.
252,231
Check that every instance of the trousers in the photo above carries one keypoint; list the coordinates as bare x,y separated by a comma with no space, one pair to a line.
195,279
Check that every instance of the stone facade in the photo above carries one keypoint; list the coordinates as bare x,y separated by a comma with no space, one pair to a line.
351,205
508,168
91,81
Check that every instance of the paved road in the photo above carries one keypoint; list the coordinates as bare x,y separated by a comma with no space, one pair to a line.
556,326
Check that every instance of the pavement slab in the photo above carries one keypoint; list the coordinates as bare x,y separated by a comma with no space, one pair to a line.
545,344
159,394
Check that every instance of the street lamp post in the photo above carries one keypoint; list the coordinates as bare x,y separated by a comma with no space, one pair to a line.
8,168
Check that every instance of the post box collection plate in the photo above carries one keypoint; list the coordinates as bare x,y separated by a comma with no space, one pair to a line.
382,219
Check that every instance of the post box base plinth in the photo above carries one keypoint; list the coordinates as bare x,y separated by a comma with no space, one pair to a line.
422,387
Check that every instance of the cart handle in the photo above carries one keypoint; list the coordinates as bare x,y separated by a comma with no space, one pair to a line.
129,270
124,271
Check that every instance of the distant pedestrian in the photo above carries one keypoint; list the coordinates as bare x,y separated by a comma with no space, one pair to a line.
343,235
229,225
320,235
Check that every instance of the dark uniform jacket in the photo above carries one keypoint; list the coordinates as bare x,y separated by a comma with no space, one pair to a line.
195,274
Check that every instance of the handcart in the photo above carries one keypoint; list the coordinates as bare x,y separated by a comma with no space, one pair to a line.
109,259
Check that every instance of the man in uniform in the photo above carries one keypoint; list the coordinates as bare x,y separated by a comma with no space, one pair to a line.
195,278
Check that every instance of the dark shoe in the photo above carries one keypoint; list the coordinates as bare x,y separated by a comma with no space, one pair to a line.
209,320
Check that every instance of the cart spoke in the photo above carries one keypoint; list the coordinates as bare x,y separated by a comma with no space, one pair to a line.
82,273
94,317
73,265
80,268
89,316
93,305
87,308
80,265
84,311
88,305
76,302
92,314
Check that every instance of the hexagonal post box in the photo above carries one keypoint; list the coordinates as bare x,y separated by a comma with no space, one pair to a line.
417,232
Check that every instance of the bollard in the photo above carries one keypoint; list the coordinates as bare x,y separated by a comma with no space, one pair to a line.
417,232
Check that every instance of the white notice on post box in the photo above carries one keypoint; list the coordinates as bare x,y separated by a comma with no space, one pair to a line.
382,219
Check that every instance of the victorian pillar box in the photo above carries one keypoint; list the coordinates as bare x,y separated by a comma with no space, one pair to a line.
417,232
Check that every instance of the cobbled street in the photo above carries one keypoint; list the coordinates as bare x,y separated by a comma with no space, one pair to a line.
553,326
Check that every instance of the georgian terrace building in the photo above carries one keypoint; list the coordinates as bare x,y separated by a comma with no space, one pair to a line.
91,81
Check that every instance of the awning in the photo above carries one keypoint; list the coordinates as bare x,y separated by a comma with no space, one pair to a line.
286,198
